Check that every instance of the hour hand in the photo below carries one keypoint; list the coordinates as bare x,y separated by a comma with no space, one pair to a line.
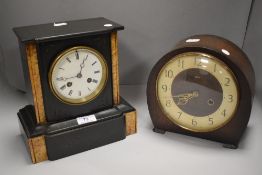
183,99
64,78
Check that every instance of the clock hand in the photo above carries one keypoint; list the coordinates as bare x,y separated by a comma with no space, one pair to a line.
185,97
69,78
79,75
82,65
65,79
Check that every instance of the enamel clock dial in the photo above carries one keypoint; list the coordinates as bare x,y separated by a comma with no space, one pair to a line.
78,75
203,88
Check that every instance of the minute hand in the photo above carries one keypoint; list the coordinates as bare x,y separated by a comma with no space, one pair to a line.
82,65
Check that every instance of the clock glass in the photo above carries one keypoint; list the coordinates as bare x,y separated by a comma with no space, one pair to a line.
197,91
78,75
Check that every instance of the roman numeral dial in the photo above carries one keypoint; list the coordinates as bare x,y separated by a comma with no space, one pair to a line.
78,75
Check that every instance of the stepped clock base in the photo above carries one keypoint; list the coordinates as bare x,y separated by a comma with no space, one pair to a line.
53,141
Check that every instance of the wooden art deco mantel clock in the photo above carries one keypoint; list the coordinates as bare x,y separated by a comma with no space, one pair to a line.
71,73
203,88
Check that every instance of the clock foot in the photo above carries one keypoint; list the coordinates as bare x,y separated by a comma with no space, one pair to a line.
159,131
230,146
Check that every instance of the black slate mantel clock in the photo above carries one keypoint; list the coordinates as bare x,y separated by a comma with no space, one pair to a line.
72,80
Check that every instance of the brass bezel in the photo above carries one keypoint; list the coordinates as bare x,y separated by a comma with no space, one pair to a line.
91,96
214,58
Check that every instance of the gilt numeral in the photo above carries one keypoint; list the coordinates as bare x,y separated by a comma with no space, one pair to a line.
181,63
198,63
211,121
215,67
230,98
168,103
179,114
224,113
194,122
227,81
164,87
169,73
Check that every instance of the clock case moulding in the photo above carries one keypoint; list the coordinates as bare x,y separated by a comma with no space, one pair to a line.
48,125
230,134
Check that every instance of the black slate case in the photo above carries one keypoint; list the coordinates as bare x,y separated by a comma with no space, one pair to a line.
50,42
68,137
56,133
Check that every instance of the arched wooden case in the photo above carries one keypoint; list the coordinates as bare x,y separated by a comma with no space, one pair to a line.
240,65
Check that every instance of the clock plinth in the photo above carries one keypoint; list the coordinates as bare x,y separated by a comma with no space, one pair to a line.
72,80
65,138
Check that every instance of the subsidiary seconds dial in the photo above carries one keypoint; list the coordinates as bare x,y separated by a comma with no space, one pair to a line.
78,75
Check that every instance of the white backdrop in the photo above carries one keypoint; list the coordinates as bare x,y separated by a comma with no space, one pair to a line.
152,29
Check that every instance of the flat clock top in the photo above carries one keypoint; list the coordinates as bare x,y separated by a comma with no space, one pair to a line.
51,31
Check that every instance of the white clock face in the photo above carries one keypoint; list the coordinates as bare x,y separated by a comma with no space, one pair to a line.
78,75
